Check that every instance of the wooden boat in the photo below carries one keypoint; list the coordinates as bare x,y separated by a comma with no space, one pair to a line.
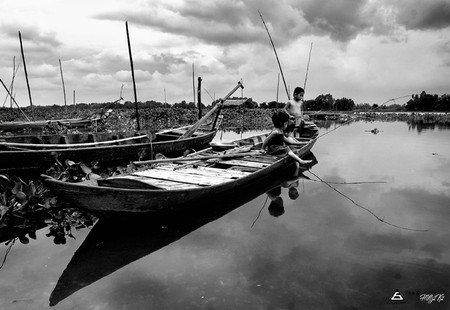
38,127
115,242
204,176
37,154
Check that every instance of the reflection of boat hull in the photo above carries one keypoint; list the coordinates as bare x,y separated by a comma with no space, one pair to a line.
189,185
37,157
107,248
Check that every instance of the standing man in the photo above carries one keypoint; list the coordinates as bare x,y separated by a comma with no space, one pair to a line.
294,108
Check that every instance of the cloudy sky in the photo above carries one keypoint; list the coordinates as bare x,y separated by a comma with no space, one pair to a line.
366,50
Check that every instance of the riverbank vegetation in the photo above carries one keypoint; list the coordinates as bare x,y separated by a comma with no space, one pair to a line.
155,115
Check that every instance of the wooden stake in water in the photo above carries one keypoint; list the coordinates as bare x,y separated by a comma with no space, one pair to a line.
132,75
26,75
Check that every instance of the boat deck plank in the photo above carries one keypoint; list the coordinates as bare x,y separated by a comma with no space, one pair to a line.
245,163
136,181
206,171
182,177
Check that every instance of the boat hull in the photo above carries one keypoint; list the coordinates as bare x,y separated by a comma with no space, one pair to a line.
103,198
39,160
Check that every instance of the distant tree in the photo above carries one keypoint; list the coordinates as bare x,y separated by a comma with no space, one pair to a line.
250,104
275,105
424,102
375,106
344,104
264,105
182,104
324,102
363,107
310,105
443,103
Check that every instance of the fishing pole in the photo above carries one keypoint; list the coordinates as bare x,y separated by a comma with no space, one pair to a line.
276,55
307,67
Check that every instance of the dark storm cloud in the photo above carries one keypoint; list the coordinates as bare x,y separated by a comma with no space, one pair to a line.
341,20
236,22
31,34
423,15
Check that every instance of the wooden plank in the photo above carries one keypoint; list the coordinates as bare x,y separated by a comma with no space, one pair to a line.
179,176
243,169
133,181
244,163
204,171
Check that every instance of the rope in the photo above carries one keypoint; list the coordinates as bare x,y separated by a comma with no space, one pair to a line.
366,209
7,251
259,214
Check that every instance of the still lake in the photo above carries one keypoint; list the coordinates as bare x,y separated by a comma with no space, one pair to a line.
326,251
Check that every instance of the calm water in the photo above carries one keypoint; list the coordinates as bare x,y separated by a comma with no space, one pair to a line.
324,252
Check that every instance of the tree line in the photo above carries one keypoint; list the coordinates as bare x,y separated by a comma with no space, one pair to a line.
417,102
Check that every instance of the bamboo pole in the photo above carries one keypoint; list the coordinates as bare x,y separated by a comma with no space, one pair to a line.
194,127
199,97
65,146
307,68
278,85
132,75
276,55
11,86
218,156
63,85
26,75
14,100
193,83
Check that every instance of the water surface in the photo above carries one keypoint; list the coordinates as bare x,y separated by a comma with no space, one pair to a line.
326,251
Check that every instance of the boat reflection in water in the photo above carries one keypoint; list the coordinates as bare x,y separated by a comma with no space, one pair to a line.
107,248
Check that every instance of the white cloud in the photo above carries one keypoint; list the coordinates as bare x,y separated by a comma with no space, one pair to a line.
371,56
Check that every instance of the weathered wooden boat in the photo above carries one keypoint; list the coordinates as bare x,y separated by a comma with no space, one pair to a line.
107,249
38,127
203,176
38,153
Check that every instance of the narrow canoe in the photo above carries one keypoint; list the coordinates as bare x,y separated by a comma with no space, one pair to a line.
109,248
205,176
34,154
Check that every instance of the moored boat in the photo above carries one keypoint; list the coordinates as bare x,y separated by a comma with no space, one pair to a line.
109,248
8,129
34,155
207,175
38,156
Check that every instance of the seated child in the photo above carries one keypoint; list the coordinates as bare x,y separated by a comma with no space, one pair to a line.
277,143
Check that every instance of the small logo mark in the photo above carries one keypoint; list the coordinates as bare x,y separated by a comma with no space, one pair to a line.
397,298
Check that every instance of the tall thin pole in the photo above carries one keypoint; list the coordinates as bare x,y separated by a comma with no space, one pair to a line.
193,82
307,68
63,85
26,75
10,95
74,97
278,85
276,55
199,97
132,75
